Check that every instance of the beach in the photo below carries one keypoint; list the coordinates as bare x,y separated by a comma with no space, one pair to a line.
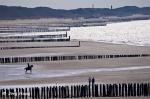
106,70
113,70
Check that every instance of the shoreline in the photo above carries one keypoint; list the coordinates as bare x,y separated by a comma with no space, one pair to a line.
84,65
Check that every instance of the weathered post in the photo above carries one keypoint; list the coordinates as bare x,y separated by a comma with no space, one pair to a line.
60,93
138,89
134,90
93,87
3,93
17,92
50,92
56,91
22,93
89,86
67,88
30,92
145,90
0,93
11,96
120,87
26,93
33,93
148,89
100,90
126,90
7,93
123,90
47,92
129,90
104,91
79,43
96,91
72,95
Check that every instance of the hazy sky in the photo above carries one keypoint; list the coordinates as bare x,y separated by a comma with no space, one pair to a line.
71,4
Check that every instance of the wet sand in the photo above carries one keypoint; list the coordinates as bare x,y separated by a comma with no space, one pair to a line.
87,47
46,71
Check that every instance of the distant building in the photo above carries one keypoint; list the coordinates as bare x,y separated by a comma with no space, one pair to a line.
111,7
92,5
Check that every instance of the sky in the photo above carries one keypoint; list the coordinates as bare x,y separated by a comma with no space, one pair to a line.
73,4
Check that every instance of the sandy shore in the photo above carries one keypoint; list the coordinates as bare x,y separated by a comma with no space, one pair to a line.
43,68
87,47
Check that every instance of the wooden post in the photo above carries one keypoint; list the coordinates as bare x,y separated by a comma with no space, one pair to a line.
60,93
148,89
120,87
47,92
100,90
79,44
138,89
1,93
33,93
50,92
126,94
90,80
134,90
96,91
71,92
17,92
129,90
104,90
44,93
93,87
22,93
30,92
7,93
26,93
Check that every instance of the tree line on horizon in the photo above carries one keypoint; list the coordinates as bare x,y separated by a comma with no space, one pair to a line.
14,12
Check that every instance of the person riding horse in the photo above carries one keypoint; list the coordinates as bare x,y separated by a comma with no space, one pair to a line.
29,67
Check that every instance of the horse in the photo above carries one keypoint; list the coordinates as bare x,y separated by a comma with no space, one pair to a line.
29,67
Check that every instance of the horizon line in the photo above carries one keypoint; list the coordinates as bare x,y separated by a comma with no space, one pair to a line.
74,8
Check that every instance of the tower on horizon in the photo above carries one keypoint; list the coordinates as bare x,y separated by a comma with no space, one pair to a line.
111,7
92,5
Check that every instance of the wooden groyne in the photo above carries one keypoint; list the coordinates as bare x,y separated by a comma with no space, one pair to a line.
35,36
25,30
78,91
37,40
4,60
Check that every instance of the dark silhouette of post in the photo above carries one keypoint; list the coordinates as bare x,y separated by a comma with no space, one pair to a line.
90,80
26,93
93,87
79,44
66,34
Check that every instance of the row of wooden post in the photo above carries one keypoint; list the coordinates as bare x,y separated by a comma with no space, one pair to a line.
34,30
37,40
50,46
36,36
78,91
62,58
